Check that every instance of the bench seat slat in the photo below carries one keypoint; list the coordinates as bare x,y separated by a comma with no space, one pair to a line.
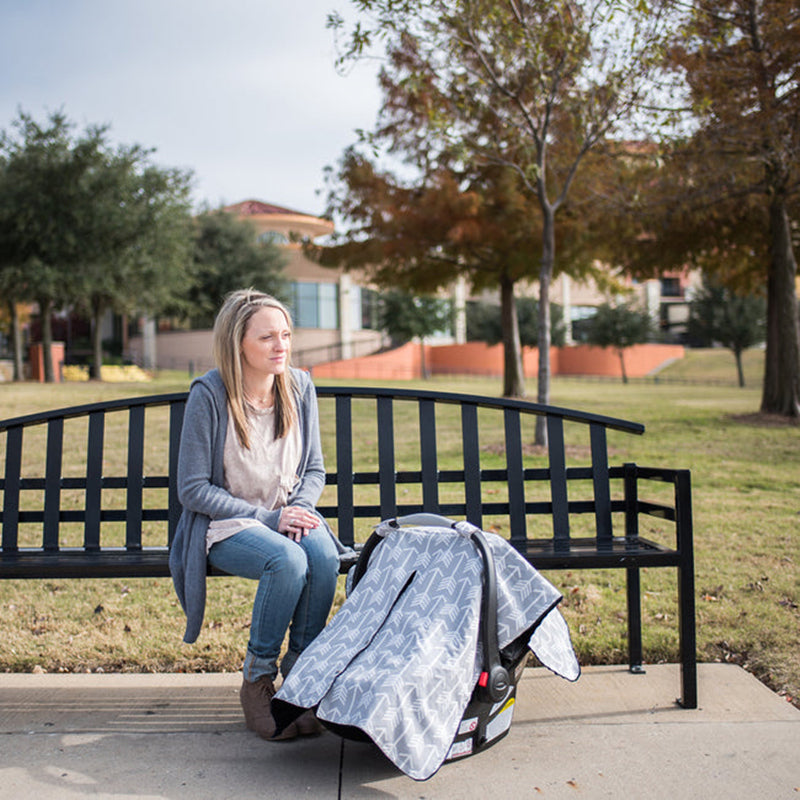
78,563
153,561
590,553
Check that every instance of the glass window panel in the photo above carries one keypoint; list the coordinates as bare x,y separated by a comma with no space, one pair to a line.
369,309
355,308
305,305
328,309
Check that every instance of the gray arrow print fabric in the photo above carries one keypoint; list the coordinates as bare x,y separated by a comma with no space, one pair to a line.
400,659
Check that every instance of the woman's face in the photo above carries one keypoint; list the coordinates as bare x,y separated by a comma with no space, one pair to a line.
266,343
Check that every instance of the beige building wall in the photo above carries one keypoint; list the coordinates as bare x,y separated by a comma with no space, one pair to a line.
287,229
183,350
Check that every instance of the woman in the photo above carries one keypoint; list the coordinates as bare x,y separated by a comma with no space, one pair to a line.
250,471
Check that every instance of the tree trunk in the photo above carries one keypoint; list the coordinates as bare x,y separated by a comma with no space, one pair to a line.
95,369
423,361
46,317
545,278
621,353
16,339
513,375
737,354
781,391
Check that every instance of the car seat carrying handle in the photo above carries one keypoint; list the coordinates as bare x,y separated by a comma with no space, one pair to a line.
494,681
423,518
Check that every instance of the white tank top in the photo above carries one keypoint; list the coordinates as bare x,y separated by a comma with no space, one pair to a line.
264,475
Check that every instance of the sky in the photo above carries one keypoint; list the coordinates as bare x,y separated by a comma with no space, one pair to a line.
244,93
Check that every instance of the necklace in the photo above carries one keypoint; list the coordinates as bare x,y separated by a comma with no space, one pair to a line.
259,402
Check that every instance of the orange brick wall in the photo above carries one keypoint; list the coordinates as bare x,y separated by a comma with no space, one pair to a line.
640,360
472,358
401,364
477,358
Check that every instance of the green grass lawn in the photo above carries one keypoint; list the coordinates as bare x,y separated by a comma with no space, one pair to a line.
746,499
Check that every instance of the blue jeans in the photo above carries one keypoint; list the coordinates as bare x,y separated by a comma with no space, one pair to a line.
296,584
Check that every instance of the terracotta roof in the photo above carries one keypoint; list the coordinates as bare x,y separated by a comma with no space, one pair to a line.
248,208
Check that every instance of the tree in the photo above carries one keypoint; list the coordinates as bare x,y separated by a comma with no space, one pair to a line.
42,169
484,323
718,315
84,225
226,257
740,60
619,326
454,221
405,317
135,238
725,198
534,86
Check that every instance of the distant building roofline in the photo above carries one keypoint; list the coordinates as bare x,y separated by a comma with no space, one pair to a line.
267,215
249,208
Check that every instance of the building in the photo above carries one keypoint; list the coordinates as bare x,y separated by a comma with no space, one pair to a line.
332,310
666,299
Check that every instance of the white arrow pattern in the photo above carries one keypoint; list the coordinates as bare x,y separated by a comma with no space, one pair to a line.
401,657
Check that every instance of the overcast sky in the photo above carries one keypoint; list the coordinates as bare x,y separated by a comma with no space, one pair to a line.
242,92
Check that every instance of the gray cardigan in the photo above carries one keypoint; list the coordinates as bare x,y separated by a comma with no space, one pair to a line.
201,481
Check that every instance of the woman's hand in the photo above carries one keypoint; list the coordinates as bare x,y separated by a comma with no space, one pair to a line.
296,522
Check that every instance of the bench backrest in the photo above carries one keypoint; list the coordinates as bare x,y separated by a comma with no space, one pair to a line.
104,475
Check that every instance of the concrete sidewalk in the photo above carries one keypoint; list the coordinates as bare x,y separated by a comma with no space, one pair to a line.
611,734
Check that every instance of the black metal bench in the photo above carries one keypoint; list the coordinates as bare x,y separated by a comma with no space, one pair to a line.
89,491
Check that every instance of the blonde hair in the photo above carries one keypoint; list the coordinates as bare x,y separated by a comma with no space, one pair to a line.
230,327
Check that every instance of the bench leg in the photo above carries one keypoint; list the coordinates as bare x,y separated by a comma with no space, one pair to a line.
688,637
634,621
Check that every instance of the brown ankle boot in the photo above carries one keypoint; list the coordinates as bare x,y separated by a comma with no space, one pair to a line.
255,698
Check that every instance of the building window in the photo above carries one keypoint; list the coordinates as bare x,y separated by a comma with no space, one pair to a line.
328,305
315,305
671,287
273,237
304,305
363,311
368,310
581,321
